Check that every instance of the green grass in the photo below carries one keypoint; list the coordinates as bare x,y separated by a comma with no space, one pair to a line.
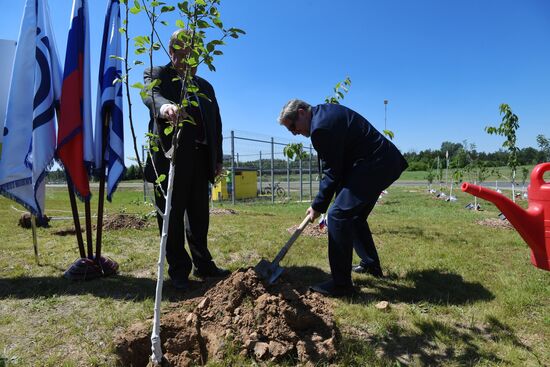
460,294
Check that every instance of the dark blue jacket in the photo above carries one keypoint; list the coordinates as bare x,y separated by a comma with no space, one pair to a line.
353,153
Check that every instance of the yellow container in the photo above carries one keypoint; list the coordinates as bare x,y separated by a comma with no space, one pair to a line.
245,185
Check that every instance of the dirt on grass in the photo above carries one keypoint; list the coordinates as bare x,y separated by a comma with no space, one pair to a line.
222,211
123,221
495,223
313,230
239,315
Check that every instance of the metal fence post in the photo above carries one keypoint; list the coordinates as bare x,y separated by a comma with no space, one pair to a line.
233,167
272,171
237,159
144,182
301,180
288,176
260,172
310,176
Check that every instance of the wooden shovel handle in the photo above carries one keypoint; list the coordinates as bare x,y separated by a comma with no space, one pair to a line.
291,240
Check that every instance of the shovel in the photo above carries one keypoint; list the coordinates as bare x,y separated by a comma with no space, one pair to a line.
271,270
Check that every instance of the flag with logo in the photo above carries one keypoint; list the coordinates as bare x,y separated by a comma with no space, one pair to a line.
29,130
109,144
75,137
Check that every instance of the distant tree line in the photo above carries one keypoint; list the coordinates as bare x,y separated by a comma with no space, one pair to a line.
461,154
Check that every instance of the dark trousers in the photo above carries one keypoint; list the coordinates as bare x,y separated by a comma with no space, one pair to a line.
189,215
348,228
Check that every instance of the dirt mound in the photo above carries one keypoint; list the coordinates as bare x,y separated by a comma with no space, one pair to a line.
123,221
239,313
221,211
313,230
25,221
495,223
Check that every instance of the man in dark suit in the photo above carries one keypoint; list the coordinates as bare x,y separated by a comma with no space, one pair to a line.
358,163
198,161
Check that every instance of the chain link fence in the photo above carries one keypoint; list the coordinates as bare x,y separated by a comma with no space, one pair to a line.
279,179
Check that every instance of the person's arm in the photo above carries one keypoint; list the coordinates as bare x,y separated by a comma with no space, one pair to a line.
330,146
155,104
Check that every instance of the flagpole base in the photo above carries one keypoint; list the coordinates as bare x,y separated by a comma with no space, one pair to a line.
87,269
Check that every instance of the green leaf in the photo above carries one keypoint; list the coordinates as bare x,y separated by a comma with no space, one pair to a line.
137,62
121,30
167,9
160,179
218,23
218,53
202,95
194,103
117,58
200,2
138,85
203,24
168,130
184,7
389,134
163,22
180,24
136,4
135,10
156,46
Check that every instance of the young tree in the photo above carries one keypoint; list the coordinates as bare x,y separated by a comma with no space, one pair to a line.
197,17
508,128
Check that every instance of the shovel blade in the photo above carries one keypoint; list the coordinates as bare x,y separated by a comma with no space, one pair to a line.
268,271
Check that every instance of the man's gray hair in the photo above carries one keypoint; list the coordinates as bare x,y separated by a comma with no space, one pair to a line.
290,110
175,38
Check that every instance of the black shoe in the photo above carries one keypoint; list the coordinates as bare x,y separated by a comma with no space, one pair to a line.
214,272
330,289
375,271
180,284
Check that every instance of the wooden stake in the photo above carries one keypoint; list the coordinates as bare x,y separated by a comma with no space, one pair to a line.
34,239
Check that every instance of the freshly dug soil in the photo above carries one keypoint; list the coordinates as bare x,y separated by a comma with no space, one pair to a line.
495,223
265,323
67,231
221,211
123,221
311,230
25,221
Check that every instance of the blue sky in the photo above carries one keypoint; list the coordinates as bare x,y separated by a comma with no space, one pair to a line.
444,66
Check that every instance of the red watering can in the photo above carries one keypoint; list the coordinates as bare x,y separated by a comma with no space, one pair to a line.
532,224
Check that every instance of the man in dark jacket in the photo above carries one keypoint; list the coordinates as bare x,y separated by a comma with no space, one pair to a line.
199,160
358,163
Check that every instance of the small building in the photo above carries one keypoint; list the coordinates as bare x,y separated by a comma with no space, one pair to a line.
246,185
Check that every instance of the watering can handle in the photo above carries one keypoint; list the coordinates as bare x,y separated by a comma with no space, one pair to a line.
537,176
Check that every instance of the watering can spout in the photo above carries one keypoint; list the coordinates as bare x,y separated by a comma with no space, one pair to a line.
532,224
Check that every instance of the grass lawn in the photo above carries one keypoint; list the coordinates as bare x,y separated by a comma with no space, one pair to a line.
459,293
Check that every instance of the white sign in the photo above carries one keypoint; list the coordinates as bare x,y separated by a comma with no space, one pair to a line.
7,50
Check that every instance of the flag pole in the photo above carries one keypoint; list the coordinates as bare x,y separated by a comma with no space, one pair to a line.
74,208
34,239
89,241
76,218
101,199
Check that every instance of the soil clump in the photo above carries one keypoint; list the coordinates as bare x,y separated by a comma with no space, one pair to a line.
495,223
239,315
25,221
124,221
313,230
222,211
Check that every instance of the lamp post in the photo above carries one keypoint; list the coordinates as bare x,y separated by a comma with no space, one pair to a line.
385,113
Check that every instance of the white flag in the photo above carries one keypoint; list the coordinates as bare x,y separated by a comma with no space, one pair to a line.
29,130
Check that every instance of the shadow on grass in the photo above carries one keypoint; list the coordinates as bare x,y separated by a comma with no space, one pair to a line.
433,343
117,287
433,286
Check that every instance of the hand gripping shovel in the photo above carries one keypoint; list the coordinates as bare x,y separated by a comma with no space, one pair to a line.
271,270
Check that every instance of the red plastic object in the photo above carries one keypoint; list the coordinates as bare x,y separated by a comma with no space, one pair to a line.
532,224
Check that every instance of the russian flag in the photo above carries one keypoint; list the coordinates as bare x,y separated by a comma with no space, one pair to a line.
75,138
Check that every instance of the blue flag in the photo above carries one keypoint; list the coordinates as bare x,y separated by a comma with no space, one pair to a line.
109,102
29,130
